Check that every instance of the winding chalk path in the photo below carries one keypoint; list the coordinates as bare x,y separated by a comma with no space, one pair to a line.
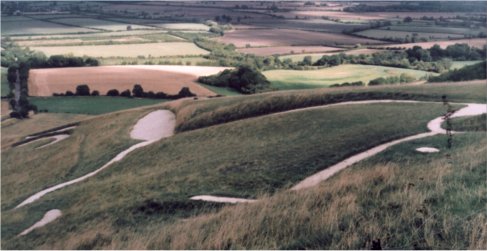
221,199
151,128
427,150
434,126
56,138
50,216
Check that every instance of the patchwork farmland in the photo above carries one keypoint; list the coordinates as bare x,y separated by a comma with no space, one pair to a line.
243,125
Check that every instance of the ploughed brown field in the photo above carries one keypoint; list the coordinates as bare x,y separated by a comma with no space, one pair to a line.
268,51
157,78
475,42
286,37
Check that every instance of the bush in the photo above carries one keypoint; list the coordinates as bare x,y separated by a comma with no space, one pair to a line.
69,93
126,93
113,93
244,79
378,81
469,72
15,115
95,93
138,91
185,92
82,90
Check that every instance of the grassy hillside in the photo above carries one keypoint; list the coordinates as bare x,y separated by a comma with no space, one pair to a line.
90,105
252,158
475,123
297,79
431,204
91,145
197,114
4,86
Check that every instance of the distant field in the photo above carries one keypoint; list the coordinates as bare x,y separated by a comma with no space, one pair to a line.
267,51
168,79
126,50
384,34
38,27
460,64
90,105
352,16
99,24
285,37
475,42
182,26
177,60
434,29
316,56
88,36
294,79
101,40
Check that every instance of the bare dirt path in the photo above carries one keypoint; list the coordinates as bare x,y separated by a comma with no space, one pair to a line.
434,126
151,128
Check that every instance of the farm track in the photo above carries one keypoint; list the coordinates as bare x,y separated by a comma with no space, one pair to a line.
434,126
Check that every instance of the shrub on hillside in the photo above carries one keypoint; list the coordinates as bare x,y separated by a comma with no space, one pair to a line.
244,79
82,90
185,92
113,93
126,93
469,72
138,91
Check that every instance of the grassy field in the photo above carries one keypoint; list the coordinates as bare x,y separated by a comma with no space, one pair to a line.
475,123
317,56
385,34
100,40
431,204
126,50
475,42
111,202
15,130
28,27
296,79
268,51
182,26
435,29
285,37
100,24
461,64
182,60
90,105
196,114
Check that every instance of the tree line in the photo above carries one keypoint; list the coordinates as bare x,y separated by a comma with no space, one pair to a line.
137,92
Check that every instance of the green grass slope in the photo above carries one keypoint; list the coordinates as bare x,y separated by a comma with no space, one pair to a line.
300,79
152,185
405,199
90,105
202,113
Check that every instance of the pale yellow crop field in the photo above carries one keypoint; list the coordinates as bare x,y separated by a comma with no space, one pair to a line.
125,50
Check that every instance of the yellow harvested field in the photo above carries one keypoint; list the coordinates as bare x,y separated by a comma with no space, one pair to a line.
157,78
474,42
267,51
125,50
